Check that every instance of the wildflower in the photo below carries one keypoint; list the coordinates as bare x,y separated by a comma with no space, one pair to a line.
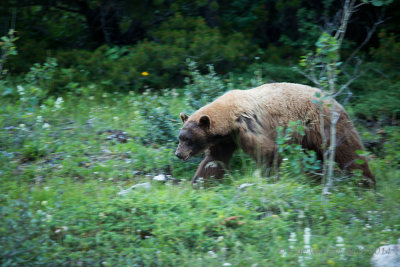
44,202
212,254
283,253
46,126
22,127
116,118
292,240
39,119
49,218
340,245
307,246
145,73
58,103
220,238
21,90
330,262
226,264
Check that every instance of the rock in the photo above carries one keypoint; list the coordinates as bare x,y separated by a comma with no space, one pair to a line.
387,256
146,186
161,178
245,185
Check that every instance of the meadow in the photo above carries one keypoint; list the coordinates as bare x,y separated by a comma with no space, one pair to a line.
69,165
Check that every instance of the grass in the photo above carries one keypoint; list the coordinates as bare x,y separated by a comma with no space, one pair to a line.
60,204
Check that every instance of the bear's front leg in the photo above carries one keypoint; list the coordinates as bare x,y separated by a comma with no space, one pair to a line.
216,161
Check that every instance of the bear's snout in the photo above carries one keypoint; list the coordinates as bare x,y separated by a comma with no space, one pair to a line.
179,155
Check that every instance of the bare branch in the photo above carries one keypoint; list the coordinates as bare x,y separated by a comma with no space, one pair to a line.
347,12
311,78
370,32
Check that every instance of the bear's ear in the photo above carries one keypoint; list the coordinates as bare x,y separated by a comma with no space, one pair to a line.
205,122
184,117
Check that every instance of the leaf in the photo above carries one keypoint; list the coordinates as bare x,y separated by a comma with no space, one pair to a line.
359,161
360,152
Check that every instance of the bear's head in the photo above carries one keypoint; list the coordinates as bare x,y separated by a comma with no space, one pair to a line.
193,137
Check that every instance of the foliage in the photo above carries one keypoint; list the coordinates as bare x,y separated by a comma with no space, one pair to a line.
202,89
161,126
378,103
64,163
295,159
388,51
8,48
152,64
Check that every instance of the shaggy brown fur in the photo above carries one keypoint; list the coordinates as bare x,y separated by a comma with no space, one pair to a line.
248,119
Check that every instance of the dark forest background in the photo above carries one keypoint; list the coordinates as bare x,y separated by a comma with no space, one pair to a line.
118,40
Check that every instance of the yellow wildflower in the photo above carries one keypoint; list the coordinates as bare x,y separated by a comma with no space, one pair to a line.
145,73
331,262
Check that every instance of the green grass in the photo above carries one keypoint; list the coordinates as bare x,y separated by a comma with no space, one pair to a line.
60,203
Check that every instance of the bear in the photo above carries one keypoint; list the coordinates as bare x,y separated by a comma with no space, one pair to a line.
248,119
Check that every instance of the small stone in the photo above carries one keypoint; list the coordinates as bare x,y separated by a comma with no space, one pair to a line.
387,256
245,185
160,178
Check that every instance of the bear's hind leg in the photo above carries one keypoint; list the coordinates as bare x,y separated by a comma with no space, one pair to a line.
216,161
347,158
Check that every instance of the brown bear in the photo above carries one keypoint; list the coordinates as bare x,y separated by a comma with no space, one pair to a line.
248,119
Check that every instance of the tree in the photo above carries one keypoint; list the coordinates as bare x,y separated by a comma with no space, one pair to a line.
323,68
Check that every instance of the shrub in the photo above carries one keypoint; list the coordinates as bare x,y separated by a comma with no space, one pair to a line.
295,159
157,64
202,89
388,51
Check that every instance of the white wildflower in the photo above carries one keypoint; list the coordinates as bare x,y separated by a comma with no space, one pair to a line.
301,261
283,253
39,119
116,118
226,264
301,215
340,246
292,240
22,127
58,103
44,202
307,243
212,254
21,90
46,126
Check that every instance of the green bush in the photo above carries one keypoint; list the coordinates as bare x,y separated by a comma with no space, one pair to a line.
388,51
156,64
202,89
